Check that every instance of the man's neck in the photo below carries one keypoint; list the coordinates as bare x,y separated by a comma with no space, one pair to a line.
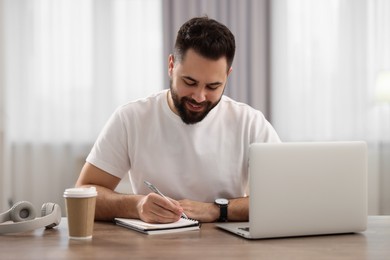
170,103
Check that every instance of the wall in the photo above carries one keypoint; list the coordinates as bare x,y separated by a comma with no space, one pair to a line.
47,170
373,185
384,179
44,171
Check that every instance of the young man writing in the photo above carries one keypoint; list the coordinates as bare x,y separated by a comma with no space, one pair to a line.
190,141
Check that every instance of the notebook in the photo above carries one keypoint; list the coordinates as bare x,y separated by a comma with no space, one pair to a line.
299,189
147,228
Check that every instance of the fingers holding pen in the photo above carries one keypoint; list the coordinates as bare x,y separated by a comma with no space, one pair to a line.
153,208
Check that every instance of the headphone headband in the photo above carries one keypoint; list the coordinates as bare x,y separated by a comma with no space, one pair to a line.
51,216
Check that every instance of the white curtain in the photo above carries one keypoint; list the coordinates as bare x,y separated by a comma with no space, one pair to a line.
326,56
68,65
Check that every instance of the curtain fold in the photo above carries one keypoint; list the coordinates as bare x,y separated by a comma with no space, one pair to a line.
326,56
3,201
68,65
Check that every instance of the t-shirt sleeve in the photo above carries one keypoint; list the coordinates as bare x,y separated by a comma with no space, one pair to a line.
264,132
110,151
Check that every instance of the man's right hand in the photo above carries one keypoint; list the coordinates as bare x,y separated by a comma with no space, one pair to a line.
153,208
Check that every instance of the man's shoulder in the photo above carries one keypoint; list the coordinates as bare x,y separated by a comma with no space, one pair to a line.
231,104
152,100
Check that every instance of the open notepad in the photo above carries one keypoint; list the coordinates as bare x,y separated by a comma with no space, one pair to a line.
182,225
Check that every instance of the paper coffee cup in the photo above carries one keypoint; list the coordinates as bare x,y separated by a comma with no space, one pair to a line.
80,209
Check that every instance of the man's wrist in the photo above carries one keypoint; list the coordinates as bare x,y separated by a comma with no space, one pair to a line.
215,212
133,205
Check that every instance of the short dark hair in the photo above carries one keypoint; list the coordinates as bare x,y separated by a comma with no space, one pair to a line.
207,37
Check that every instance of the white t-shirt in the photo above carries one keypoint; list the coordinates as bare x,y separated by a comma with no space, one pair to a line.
201,162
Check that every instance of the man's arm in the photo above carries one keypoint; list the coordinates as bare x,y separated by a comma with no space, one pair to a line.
110,204
238,210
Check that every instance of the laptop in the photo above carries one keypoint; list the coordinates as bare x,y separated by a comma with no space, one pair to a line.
305,188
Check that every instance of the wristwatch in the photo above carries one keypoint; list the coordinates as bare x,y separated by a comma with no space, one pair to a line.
223,208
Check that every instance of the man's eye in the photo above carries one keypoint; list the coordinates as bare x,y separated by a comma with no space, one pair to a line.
191,84
213,87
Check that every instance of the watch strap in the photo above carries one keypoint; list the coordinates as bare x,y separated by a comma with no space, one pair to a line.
223,216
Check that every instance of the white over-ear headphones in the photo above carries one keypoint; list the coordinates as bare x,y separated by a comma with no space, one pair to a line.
22,215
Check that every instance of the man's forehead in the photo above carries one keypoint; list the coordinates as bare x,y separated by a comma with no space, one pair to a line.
196,66
191,53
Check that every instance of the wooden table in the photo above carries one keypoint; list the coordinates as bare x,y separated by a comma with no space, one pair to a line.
114,242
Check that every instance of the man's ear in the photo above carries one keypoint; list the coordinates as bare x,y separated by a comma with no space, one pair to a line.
171,64
230,70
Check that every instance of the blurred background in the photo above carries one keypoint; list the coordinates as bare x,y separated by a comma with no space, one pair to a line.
318,69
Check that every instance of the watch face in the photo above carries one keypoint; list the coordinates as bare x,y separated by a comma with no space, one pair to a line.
222,201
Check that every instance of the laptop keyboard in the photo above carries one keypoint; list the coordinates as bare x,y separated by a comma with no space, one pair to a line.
244,228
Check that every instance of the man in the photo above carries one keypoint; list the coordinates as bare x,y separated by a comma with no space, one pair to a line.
190,141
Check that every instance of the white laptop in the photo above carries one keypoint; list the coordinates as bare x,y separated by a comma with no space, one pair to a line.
300,189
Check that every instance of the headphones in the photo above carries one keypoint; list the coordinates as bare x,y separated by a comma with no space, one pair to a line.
22,215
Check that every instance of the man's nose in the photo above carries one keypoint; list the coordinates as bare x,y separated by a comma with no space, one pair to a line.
199,95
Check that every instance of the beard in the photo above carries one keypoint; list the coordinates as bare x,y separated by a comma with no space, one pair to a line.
189,116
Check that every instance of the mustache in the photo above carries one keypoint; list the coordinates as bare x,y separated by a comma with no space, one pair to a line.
192,101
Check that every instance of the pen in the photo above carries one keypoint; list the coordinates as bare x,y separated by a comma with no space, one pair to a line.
155,190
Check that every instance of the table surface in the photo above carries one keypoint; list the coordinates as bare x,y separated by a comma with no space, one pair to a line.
114,242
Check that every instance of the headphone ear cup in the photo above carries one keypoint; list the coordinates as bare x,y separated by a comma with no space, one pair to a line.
55,210
22,211
47,208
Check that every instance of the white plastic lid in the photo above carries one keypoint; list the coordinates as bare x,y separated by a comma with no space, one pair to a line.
80,192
